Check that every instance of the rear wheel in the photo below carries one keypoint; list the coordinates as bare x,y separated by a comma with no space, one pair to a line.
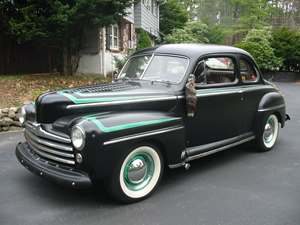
137,176
268,134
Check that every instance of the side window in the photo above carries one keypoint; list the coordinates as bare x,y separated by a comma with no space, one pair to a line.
215,70
248,73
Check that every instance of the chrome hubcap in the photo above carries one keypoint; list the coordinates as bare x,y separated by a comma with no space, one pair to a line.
138,171
269,130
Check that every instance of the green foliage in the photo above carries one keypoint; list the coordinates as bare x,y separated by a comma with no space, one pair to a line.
251,14
193,32
286,44
172,16
144,40
241,14
180,36
196,32
58,23
120,62
29,20
257,43
237,17
216,34
259,35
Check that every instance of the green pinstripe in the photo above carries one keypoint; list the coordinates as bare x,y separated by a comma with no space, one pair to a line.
95,100
229,89
125,126
76,100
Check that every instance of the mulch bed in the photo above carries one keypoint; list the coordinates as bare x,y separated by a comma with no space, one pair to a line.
17,89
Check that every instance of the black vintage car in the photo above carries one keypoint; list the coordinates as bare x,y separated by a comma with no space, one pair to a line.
169,105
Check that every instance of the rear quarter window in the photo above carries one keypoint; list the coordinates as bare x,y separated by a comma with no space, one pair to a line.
248,73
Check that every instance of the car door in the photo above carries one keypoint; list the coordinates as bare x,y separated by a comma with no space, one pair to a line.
252,89
217,115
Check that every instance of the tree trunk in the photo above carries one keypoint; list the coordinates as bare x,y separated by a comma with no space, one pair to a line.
49,57
67,60
71,55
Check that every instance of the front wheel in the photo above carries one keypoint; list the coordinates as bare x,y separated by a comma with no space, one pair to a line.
137,176
268,133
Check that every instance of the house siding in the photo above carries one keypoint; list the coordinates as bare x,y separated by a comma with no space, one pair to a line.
98,57
145,19
102,60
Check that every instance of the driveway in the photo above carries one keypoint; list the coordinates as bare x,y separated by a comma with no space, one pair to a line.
234,187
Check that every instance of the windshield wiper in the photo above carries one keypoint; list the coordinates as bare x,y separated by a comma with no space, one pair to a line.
127,79
163,81
124,78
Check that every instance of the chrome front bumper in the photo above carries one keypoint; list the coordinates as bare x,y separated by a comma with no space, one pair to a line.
64,175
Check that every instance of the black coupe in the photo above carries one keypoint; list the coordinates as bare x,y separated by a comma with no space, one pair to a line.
169,105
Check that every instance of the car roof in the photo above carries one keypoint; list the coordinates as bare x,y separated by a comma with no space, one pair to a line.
192,50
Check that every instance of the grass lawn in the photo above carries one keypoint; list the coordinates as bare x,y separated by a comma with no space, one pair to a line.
16,89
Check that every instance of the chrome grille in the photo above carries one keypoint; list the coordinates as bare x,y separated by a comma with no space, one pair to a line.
49,146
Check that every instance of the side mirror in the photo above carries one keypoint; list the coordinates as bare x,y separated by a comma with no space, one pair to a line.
191,96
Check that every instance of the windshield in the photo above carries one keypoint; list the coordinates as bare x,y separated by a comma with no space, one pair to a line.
157,68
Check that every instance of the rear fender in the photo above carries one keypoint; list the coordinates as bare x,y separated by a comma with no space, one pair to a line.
272,102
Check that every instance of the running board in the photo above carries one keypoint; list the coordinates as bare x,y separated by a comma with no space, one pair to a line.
231,142
190,158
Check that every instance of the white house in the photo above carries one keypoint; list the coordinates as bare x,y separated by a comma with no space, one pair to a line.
100,46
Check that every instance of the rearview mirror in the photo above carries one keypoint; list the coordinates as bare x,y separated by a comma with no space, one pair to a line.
191,96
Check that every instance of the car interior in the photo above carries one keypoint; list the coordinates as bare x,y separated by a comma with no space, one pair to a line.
217,73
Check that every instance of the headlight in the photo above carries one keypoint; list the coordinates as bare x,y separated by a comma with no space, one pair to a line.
22,115
78,137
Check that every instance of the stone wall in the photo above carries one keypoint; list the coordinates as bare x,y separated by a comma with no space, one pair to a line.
9,119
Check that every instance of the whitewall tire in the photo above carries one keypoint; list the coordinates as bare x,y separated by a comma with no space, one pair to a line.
268,135
138,175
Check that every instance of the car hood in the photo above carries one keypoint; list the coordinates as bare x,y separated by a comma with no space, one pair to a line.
119,96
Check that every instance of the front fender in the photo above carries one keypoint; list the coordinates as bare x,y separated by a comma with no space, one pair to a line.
111,135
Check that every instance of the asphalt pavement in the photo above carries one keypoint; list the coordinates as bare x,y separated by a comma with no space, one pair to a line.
234,187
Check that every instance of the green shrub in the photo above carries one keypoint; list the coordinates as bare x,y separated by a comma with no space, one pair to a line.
259,35
193,32
196,32
257,43
216,34
144,40
286,44
172,16
120,62
180,36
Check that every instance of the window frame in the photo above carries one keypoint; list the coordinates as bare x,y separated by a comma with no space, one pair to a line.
152,54
254,67
174,56
111,35
236,71
154,7
147,4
